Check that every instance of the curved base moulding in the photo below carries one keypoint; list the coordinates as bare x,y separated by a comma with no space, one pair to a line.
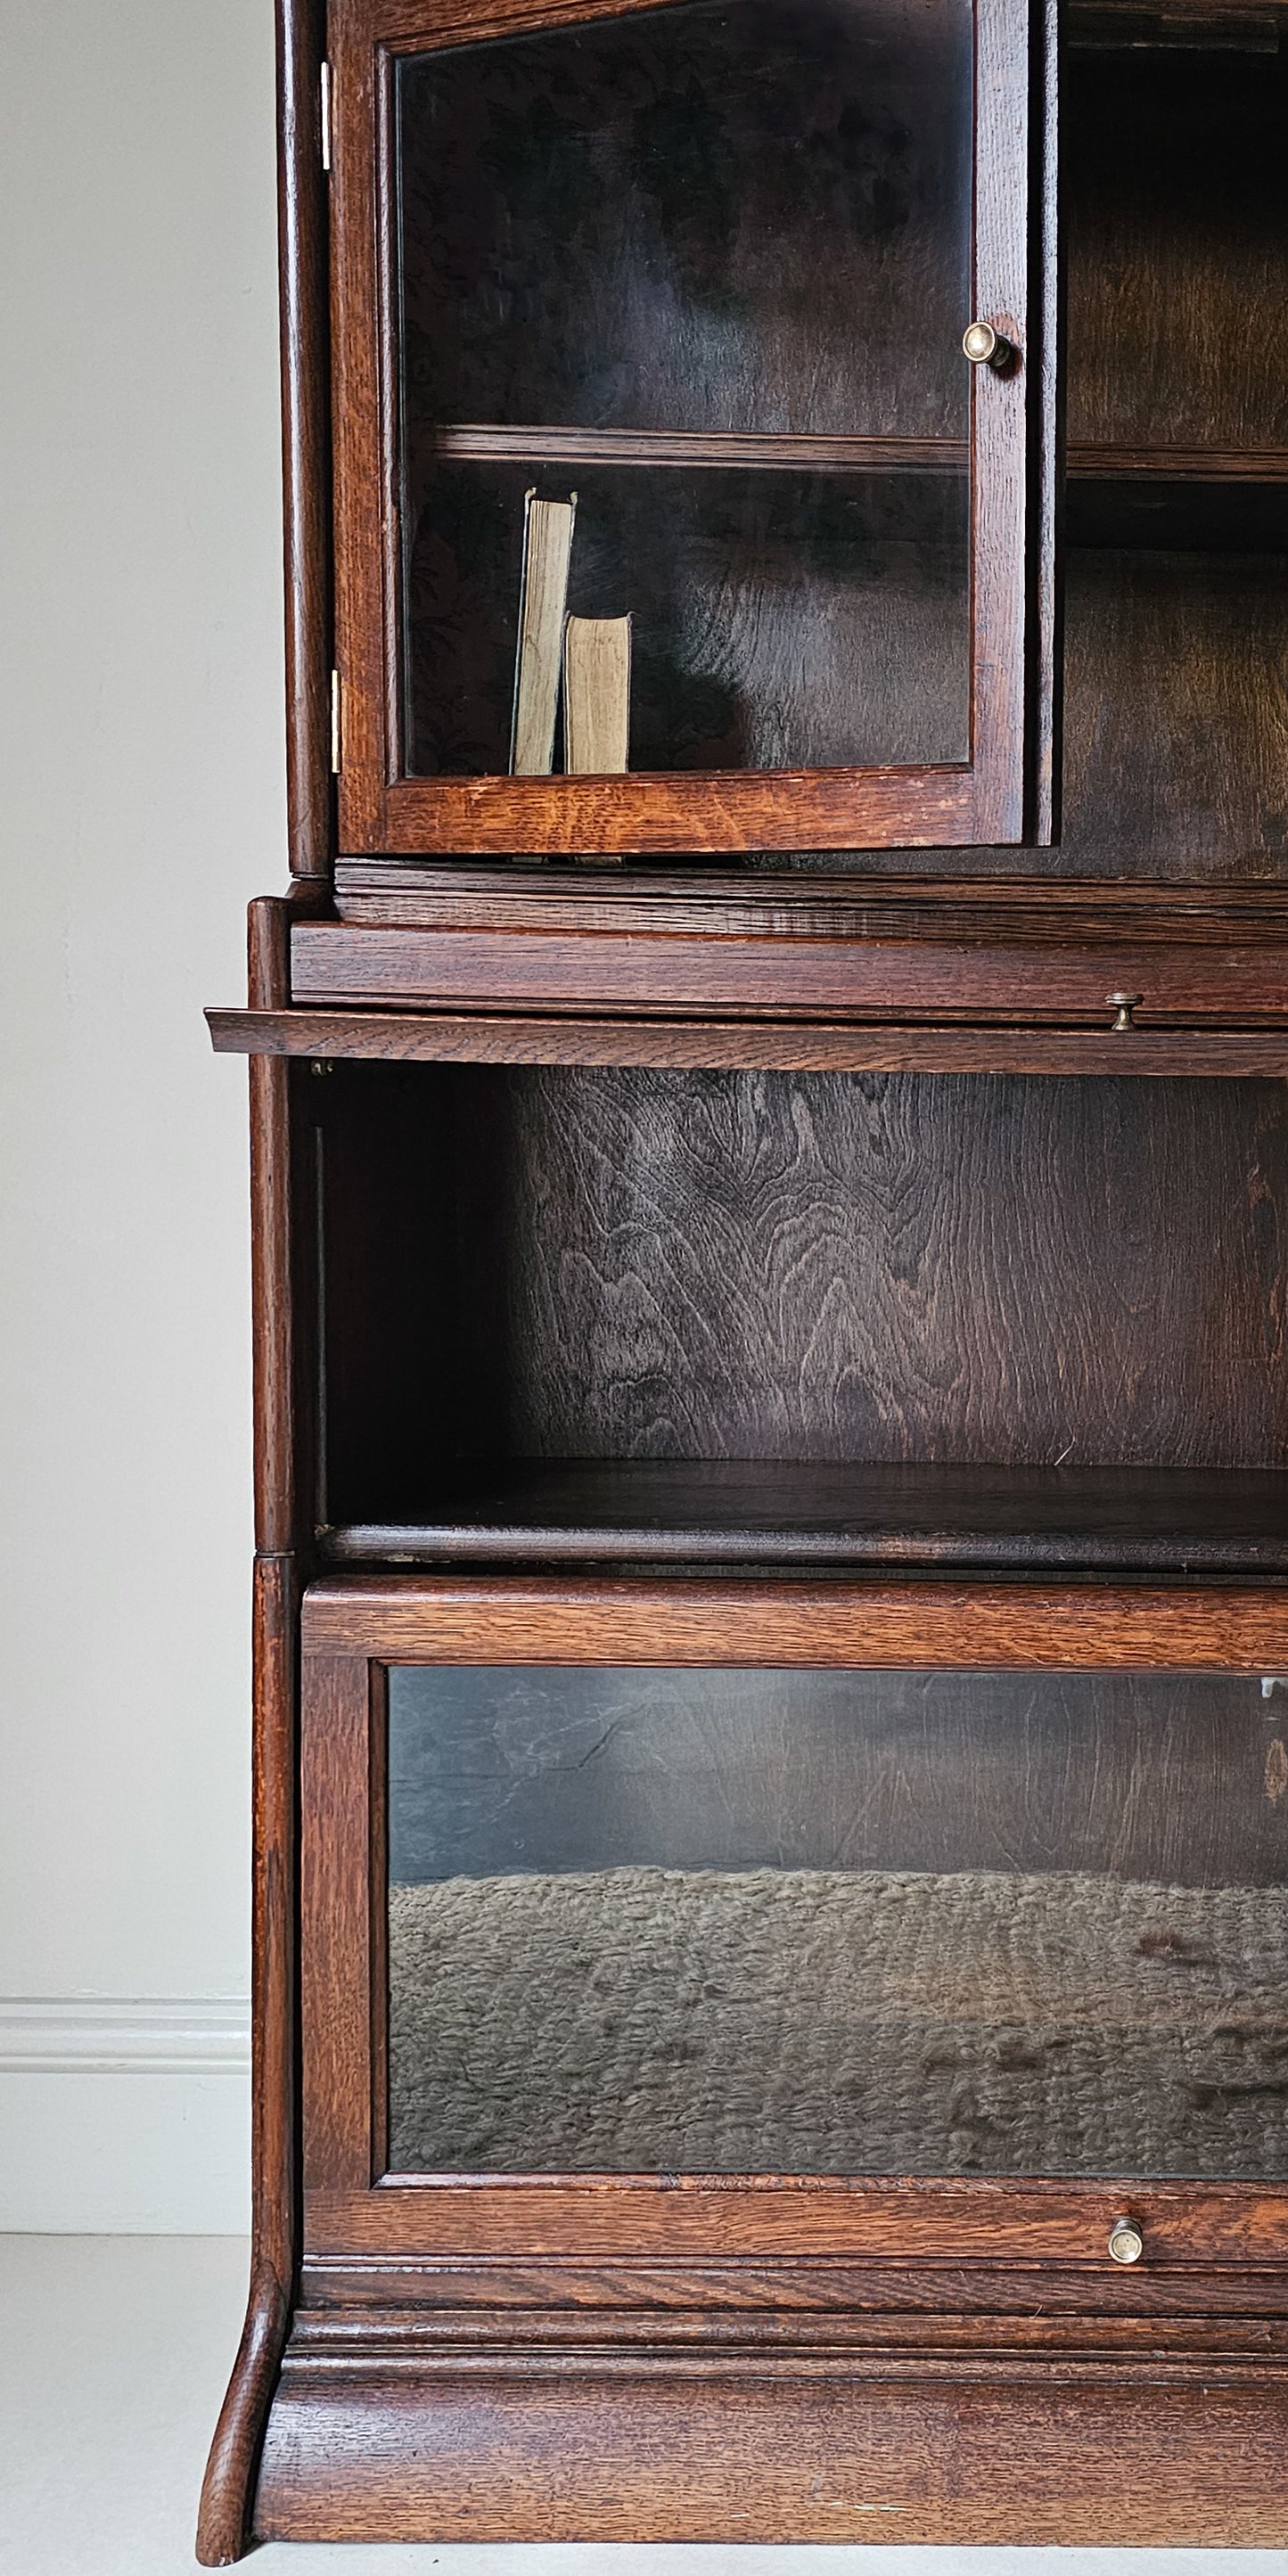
751,2449
223,2526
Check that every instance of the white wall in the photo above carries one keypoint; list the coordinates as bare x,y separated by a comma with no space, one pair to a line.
141,790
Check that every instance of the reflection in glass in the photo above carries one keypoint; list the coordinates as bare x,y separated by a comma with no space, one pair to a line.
707,266
750,1921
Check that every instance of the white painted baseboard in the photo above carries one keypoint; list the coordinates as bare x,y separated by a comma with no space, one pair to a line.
125,2115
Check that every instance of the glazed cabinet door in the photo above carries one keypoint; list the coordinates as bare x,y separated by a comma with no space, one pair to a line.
912,1933
693,404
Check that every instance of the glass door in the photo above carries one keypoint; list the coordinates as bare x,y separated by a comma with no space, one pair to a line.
837,1922
680,506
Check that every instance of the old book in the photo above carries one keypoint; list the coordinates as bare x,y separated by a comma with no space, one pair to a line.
543,596
597,693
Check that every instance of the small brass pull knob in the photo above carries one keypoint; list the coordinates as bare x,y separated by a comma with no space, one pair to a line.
985,347
1124,1004
1126,2244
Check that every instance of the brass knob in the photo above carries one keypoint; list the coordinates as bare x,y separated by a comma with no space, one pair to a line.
1124,1004
985,347
1126,2244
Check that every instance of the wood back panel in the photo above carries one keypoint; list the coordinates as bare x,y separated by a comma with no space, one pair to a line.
547,1263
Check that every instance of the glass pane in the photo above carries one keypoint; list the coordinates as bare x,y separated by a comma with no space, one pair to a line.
751,1921
705,268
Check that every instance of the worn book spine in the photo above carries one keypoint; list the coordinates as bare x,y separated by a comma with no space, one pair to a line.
597,693
543,598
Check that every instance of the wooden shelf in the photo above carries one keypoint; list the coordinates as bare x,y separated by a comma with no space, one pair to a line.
487,442
1180,1522
801,1046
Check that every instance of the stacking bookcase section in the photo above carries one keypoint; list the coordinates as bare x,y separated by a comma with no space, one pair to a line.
734,2009
619,1315
776,954
761,301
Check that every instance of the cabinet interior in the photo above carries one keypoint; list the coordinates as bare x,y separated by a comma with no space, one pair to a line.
826,1318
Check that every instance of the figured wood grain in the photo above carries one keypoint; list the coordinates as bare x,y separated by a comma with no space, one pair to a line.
551,1264
1049,1627
783,2457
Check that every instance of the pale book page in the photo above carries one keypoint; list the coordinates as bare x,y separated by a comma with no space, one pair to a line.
547,550
597,694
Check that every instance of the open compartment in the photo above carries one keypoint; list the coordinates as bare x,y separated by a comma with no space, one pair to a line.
982,1322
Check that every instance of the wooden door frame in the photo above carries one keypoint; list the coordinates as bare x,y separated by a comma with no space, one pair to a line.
1004,789
354,2209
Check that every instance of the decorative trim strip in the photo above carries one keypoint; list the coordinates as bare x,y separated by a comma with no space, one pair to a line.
122,2035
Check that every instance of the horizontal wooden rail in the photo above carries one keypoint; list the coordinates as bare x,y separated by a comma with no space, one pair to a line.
806,452
482,1037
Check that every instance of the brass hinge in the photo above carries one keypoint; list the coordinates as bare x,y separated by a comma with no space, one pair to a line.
326,116
336,725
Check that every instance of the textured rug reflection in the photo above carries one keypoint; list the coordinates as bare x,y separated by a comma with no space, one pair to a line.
825,2021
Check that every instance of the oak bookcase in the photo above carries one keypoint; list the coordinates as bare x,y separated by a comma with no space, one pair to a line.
771,1288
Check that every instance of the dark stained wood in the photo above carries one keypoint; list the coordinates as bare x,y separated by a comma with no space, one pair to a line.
988,2219
749,2306
546,1264
224,2518
273,1246
1124,1520
808,173
1178,250
435,1037
881,979
1190,772
1097,461
335,1921
1019,2454
998,2222
303,219
779,619
779,451
228,2490
1009,911
695,810
708,807
666,1309
282,1437
662,2324
1050,1627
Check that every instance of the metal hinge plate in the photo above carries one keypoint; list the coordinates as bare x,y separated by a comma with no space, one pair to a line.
337,713
326,116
